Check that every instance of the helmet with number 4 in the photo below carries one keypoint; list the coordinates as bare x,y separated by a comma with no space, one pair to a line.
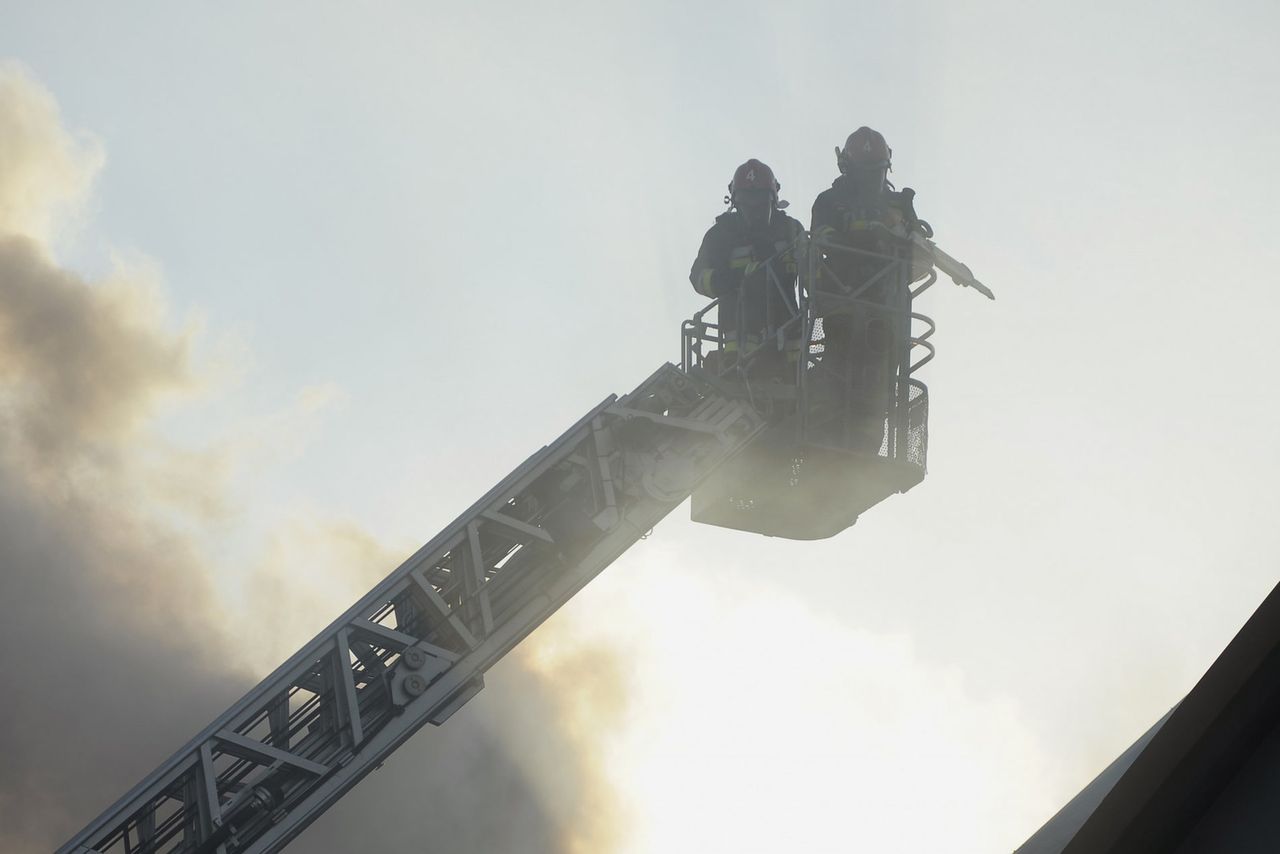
753,175
754,192
864,149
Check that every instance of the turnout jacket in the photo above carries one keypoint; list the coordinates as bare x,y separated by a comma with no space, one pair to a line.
845,216
731,265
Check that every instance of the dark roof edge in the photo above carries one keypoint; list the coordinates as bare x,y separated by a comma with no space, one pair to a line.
1053,836
1186,727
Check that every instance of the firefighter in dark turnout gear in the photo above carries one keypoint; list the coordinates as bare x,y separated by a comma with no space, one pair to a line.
747,260
854,293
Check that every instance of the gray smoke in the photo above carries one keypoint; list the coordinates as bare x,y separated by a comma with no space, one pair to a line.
114,645
103,611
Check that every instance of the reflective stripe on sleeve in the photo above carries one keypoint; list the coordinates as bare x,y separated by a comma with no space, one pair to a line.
703,283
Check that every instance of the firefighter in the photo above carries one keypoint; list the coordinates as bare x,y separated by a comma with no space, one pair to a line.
748,243
854,291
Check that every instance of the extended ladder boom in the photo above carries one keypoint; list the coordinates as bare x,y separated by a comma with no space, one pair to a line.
416,647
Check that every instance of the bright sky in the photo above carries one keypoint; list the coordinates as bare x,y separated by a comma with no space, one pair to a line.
463,224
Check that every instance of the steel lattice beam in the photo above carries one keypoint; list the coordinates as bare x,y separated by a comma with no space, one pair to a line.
416,647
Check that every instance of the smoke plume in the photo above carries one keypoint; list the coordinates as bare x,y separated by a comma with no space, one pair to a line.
103,611
115,642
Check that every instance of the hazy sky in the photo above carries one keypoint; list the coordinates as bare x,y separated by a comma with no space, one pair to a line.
419,240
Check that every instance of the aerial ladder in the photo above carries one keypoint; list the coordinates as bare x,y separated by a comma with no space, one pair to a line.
764,442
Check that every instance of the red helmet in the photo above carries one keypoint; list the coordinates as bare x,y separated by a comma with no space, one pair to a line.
754,175
865,148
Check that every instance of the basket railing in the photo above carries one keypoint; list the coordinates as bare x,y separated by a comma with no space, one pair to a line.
792,355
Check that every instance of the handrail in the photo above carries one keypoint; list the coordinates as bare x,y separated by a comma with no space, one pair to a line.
922,340
815,293
694,329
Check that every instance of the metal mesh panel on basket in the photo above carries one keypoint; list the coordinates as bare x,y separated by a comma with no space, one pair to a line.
815,341
918,426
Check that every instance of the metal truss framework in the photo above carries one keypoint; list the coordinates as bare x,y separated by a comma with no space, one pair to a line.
416,647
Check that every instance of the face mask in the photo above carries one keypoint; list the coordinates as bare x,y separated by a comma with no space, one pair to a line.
867,181
756,207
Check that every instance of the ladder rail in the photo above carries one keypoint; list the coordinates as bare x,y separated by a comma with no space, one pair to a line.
415,648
